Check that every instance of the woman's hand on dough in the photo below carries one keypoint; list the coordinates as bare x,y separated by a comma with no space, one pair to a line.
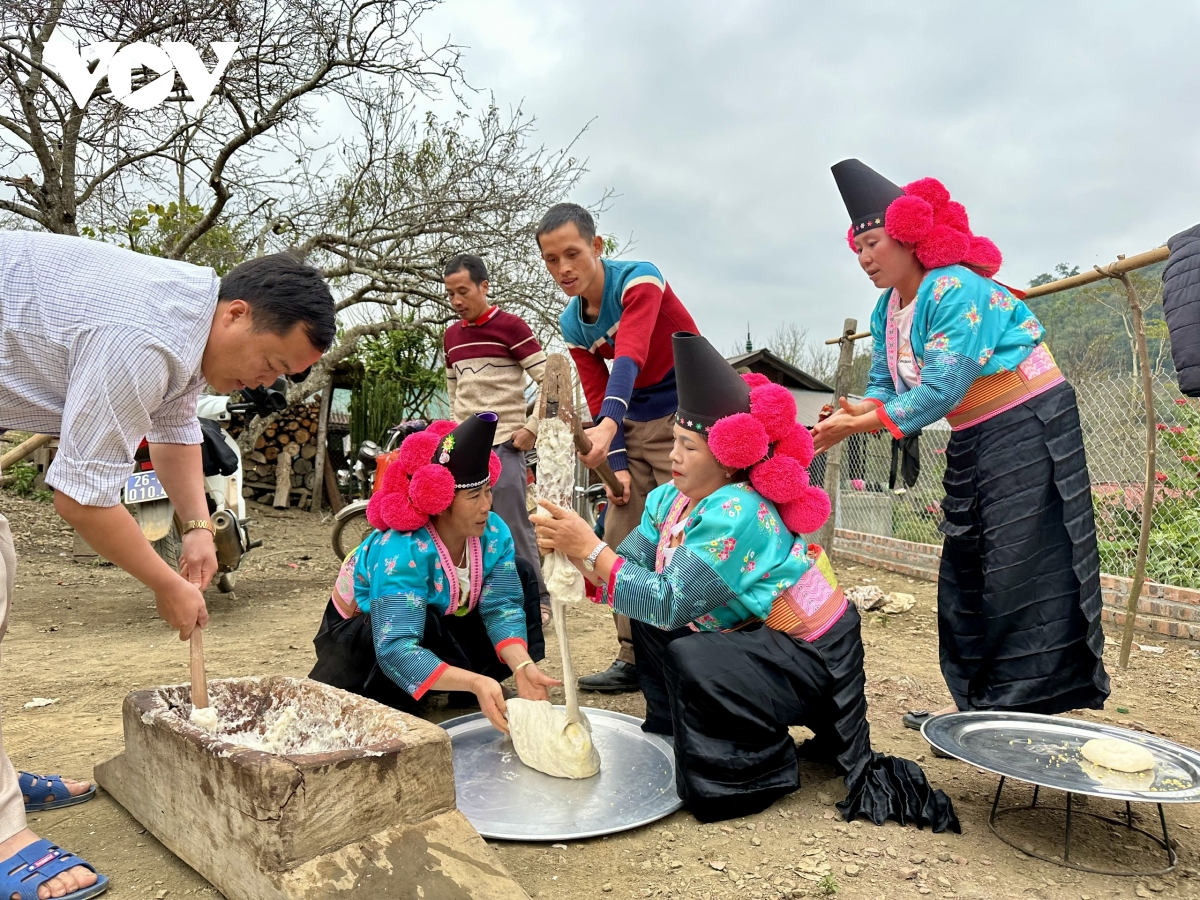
532,683
563,530
491,701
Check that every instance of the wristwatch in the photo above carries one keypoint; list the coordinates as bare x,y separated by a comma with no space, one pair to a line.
193,524
590,562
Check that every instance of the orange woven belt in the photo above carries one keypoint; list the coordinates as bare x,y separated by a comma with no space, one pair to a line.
994,394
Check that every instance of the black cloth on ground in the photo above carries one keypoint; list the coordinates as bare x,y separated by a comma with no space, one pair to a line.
1019,588
346,649
728,698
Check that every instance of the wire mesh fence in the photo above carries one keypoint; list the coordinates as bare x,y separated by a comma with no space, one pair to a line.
874,497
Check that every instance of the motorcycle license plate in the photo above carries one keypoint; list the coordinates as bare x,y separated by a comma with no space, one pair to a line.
144,487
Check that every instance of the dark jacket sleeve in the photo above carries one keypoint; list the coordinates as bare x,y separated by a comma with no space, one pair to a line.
1181,306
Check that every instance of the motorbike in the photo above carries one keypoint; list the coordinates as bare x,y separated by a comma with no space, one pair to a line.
147,501
350,526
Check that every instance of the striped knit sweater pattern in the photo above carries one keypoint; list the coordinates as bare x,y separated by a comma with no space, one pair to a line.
486,364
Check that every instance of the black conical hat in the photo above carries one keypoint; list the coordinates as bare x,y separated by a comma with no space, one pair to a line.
865,192
709,388
467,449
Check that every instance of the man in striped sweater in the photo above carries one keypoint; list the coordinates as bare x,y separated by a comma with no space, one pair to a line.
626,312
488,354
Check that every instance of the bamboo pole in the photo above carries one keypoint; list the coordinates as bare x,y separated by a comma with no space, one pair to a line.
24,449
1123,265
1139,569
853,337
833,458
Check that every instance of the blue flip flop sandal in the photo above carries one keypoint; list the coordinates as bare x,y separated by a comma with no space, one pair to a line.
27,870
46,792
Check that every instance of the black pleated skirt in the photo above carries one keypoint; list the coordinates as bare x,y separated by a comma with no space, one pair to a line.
1019,588
729,698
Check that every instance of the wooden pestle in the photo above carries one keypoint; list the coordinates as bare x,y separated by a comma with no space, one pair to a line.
584,445
199,679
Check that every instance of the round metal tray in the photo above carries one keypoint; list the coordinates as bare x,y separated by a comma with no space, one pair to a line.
506,800
1044,750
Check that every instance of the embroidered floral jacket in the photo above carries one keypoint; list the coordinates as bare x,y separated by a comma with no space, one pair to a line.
964,326
736,557
399,576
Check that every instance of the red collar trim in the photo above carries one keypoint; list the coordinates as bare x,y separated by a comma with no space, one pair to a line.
484,319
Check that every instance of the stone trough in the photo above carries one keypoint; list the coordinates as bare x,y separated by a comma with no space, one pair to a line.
303,791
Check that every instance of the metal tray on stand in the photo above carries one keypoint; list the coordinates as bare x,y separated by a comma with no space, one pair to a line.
506,800
1044,751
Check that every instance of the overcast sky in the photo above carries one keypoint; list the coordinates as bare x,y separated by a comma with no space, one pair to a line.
1070,130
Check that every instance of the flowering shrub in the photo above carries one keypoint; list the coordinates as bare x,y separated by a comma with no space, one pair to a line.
1174,553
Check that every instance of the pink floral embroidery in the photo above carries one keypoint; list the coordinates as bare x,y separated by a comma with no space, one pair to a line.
749,565
721,549
942,285
422,545
938,340
985,356
1000,300
1032,327
389,565
412,563
972,316
765,520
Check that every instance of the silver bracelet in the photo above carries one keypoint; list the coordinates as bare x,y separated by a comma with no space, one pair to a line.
590,562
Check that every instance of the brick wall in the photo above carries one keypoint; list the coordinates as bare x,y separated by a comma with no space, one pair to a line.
1162,608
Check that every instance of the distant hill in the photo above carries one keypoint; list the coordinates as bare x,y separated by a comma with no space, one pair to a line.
1089,329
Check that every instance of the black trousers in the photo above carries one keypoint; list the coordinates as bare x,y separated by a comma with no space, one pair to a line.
1019,588
729,698
346,649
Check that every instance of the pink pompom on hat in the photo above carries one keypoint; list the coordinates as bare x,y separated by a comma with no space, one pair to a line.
432,465
920,214
750,423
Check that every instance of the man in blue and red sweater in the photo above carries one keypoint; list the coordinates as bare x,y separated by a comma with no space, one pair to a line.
622,311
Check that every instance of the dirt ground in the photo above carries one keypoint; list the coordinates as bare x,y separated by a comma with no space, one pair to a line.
85,636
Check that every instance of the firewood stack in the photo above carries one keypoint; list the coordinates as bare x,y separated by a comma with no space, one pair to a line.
285,452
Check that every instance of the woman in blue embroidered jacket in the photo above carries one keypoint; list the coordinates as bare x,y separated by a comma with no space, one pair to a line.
740,628
1019,587
433,599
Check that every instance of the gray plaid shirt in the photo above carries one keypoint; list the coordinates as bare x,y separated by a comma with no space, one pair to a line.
101,346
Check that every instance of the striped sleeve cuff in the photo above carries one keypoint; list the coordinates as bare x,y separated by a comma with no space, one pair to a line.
430,681
611,587
508,642
614,408
887,421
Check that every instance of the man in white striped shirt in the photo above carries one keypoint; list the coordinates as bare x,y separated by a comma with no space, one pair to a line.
105,347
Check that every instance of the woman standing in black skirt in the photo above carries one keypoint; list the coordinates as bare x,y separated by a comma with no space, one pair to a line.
1019,588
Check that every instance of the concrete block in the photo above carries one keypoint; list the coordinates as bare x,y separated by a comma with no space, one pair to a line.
367,813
